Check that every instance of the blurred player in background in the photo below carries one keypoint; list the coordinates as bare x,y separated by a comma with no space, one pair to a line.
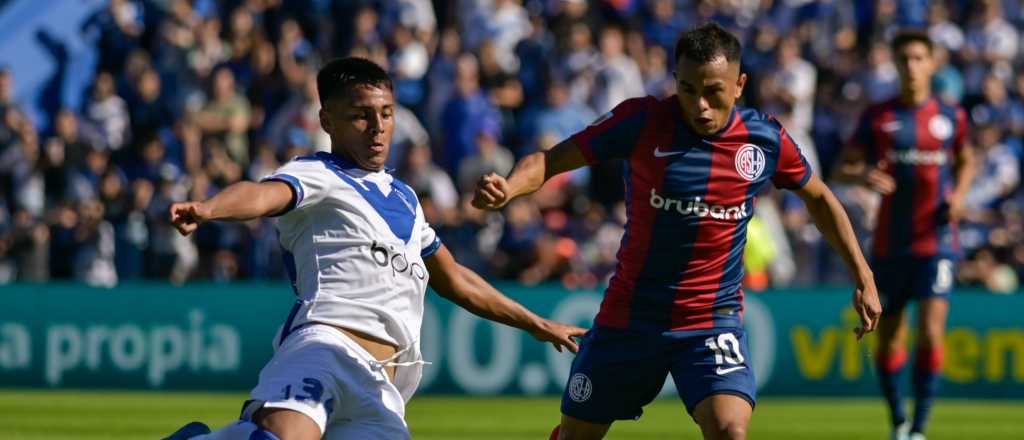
359,254
911,150
693,165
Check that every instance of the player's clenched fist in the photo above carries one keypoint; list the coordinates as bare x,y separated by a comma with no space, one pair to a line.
492,192
187,216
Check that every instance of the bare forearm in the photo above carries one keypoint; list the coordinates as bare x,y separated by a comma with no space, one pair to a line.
528,175
242,201
832,221
475,294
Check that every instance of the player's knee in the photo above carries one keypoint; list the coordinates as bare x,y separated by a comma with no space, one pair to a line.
728,429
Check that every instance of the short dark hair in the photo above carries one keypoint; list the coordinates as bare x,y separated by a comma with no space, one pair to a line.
706,42
340,75
908,36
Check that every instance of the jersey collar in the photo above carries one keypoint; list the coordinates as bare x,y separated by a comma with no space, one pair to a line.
348,165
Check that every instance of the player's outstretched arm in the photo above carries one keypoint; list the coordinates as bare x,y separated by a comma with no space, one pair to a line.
239,202
471,292
831,219
528,175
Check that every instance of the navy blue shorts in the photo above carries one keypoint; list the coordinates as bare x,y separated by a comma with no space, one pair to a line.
617,372
903,279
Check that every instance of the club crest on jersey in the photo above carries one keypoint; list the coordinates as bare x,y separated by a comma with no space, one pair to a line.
750,162
941,127
580,388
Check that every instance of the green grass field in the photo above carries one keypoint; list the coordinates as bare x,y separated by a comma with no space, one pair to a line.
142,415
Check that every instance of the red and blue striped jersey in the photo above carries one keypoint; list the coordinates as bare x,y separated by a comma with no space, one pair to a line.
916,145
688,199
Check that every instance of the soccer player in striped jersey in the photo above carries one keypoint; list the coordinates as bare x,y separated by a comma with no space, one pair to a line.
360,256
911,149
693,165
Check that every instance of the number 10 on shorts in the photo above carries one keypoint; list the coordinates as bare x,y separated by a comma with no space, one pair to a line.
727,350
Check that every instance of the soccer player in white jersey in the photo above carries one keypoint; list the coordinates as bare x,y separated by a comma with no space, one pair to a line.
360,255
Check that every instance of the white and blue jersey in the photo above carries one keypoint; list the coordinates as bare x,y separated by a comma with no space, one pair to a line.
354,243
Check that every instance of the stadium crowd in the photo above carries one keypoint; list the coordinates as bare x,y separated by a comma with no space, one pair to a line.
192,95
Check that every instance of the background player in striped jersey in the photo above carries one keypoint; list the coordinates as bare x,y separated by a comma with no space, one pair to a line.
693,165
360,256
911,150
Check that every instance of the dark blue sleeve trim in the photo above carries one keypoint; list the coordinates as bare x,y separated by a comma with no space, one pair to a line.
431,249
297,193
803,180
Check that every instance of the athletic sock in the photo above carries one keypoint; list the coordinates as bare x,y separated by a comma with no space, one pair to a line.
927,371
890,369
240,430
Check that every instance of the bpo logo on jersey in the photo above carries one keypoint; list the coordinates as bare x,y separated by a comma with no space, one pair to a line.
750,161
580,388
399,263
941,127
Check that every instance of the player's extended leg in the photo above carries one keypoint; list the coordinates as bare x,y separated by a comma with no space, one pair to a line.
576,429
928,360
890,360
723,417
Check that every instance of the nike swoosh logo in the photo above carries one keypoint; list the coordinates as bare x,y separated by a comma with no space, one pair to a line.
659,153
721,371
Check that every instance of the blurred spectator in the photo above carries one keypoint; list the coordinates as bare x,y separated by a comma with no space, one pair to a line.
792,84
942,31
150,112
490,157
665,25
465,114
108,111
409,133
991,43
998,107
427,179
94,242
618,77
410,61
210,50
116,29
299,116
439,79
881,81
227,115
947,82
998,170
559,118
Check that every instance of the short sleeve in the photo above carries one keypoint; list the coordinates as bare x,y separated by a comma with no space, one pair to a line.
960,135
429,241
615,134
309,180
792,170
862,138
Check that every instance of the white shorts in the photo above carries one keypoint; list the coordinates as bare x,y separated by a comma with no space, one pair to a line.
321,372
